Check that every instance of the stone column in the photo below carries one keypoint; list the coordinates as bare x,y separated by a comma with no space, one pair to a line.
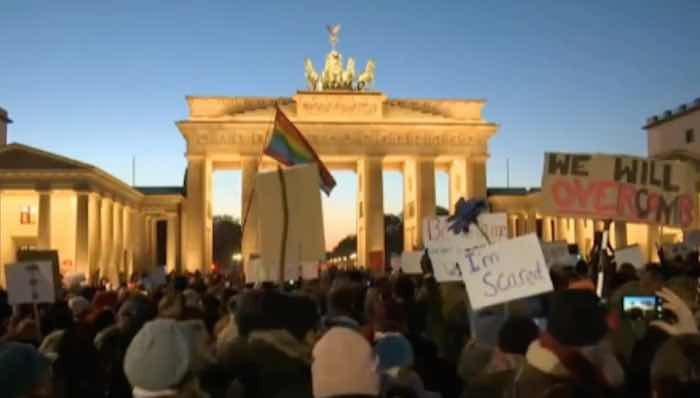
171,248
579,233
652,240
82,233
128,240
460,179
249,241
44,242
95,220
118,234
547,234
511,226
419,199
531,222
106,237
620,231
370,202
478,167
562,228
198,254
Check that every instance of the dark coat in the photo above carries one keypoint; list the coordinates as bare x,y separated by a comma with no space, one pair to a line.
267,370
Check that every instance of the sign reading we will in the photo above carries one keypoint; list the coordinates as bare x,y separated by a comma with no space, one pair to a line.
621,188
504,271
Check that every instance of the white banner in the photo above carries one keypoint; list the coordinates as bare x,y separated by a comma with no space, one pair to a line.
30,282
436,232
410,262
630,255
505,271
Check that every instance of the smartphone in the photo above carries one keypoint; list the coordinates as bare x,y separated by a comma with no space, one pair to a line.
643,308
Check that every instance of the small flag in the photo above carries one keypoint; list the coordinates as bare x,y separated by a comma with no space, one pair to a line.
288,146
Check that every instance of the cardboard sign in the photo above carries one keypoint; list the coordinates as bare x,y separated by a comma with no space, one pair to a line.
305,237
31,282
410,262
692,238
504,271
621,188
557,253
436,232
630,255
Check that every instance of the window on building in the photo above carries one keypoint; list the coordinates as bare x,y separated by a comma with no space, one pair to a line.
689,136
27,215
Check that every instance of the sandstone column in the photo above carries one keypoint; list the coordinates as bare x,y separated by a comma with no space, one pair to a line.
118,245
419,199
580,234
531,222
620,231
478,173
82,233
249,241
370,202
106,259
547,235
198,252
44,241
562,228
95,235
171,240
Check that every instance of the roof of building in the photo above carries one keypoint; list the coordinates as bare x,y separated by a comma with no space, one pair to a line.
19,156
516,191
160,190
669,115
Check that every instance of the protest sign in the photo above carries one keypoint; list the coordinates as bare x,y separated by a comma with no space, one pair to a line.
630,255
692,238
621,188
557,253
503,271
410,262
31,282
436,232
304,238
445,268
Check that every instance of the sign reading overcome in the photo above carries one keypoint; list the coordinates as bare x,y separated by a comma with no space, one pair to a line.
619,188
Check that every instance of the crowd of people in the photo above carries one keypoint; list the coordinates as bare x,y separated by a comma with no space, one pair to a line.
351,334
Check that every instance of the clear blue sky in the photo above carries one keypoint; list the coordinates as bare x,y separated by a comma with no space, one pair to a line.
102,81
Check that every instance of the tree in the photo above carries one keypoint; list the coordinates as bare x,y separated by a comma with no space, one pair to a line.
346,247
227,233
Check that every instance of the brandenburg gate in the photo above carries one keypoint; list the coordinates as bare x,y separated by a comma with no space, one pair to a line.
352,128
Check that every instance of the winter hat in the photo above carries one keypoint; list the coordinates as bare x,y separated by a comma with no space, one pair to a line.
21,369
344,364
516,334
394,351
576,318
158,357
78,305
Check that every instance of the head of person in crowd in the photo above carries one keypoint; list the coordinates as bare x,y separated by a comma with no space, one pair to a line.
394,352
134,312
24,372
516,335
80,307
158,359
675,371
344,364
105,300
346,302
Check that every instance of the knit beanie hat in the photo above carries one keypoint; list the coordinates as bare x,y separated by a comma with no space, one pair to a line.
516,334
158,357
21,368
344,364
78,305
394,351
576,318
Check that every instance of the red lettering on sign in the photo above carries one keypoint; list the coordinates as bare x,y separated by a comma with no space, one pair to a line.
598,205
625,200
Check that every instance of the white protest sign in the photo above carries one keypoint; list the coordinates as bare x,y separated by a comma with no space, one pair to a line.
445,268
309,270
504,271
630,255
692,238
30,282
410,262
557,253
436,232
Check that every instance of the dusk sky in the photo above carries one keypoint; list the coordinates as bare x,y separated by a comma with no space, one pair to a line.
104,81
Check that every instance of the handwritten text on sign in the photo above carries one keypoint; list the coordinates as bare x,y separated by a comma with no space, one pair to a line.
436,232
619,188
504,271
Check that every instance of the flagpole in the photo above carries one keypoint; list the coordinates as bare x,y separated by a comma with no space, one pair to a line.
285,225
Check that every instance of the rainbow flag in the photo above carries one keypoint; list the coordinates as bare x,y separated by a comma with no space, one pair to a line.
288,146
